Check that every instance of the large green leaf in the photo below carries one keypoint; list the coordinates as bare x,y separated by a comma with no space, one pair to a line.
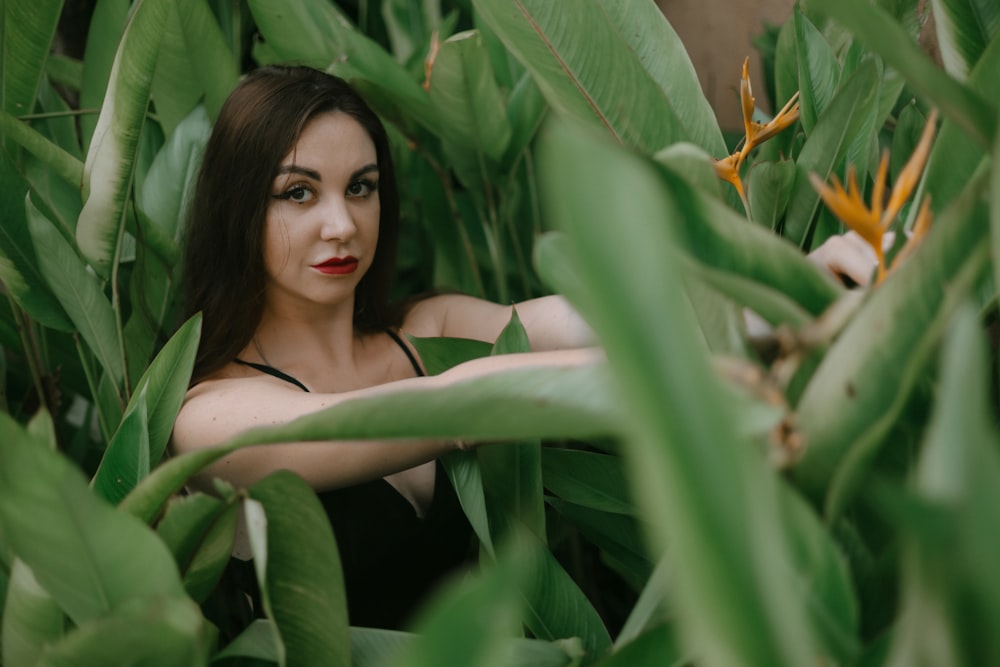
194,63
586,478
556,608
79,292
154,631
199,531
819,72
512,474
28,28
949,545
956,155
164,384
721,521
466,97
882,34
550,402
92,558
126,460
302,576
31,618
318,34
588,56
964,28
857,392
835,131
19,269
462,468
108,170
103,36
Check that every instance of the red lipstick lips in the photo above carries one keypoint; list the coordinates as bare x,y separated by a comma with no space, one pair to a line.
337,266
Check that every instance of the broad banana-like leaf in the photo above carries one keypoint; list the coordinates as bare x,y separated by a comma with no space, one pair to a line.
28,29
964,28
199,530
156,630
819,71
588,56
731,610
318,34
874,28
512,474
126,460
592,480
827,146
108,170
195,63
770,190
165,382
107,24
79,291
301,574
19,270
463,472
92,558
31,618
856,393
258,640
949,543
465,95
657,646
551,402
956,155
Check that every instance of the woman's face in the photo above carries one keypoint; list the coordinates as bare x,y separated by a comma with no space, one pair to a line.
322,221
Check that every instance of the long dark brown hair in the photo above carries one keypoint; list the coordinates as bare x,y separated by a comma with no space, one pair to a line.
224,274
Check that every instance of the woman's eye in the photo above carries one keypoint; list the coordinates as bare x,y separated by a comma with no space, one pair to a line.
362,188
299,194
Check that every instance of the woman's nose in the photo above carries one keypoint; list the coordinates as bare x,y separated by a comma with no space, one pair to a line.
337,222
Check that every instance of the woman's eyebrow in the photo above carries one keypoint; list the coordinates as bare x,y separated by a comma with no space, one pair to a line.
367,169
295,169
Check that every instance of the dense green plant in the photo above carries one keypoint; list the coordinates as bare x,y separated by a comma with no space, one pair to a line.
828,495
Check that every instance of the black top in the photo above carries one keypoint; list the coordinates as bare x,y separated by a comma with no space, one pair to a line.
391,557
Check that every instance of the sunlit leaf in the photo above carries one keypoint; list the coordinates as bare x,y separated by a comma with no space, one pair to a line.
108,169
587,79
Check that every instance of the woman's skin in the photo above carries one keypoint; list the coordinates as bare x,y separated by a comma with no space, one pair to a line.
320,236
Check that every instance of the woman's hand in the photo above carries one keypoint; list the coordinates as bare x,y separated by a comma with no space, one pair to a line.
849,257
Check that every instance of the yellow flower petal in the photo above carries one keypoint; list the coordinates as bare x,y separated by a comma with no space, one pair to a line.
910,175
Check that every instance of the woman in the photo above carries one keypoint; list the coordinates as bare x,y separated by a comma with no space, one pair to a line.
289,255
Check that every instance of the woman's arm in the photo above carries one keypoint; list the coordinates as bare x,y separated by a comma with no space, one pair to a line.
217,410
550,321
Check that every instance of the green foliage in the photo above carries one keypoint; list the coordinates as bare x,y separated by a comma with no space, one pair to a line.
703,497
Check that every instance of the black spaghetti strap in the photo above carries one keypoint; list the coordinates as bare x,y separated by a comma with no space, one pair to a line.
273,372
406,349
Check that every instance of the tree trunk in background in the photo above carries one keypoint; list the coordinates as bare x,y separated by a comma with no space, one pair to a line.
718,36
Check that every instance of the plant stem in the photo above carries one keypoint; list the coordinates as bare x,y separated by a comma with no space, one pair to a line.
459,223
59,114
30,352
88,373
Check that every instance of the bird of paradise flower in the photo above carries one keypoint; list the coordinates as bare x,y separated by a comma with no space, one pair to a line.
872,222
728,168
